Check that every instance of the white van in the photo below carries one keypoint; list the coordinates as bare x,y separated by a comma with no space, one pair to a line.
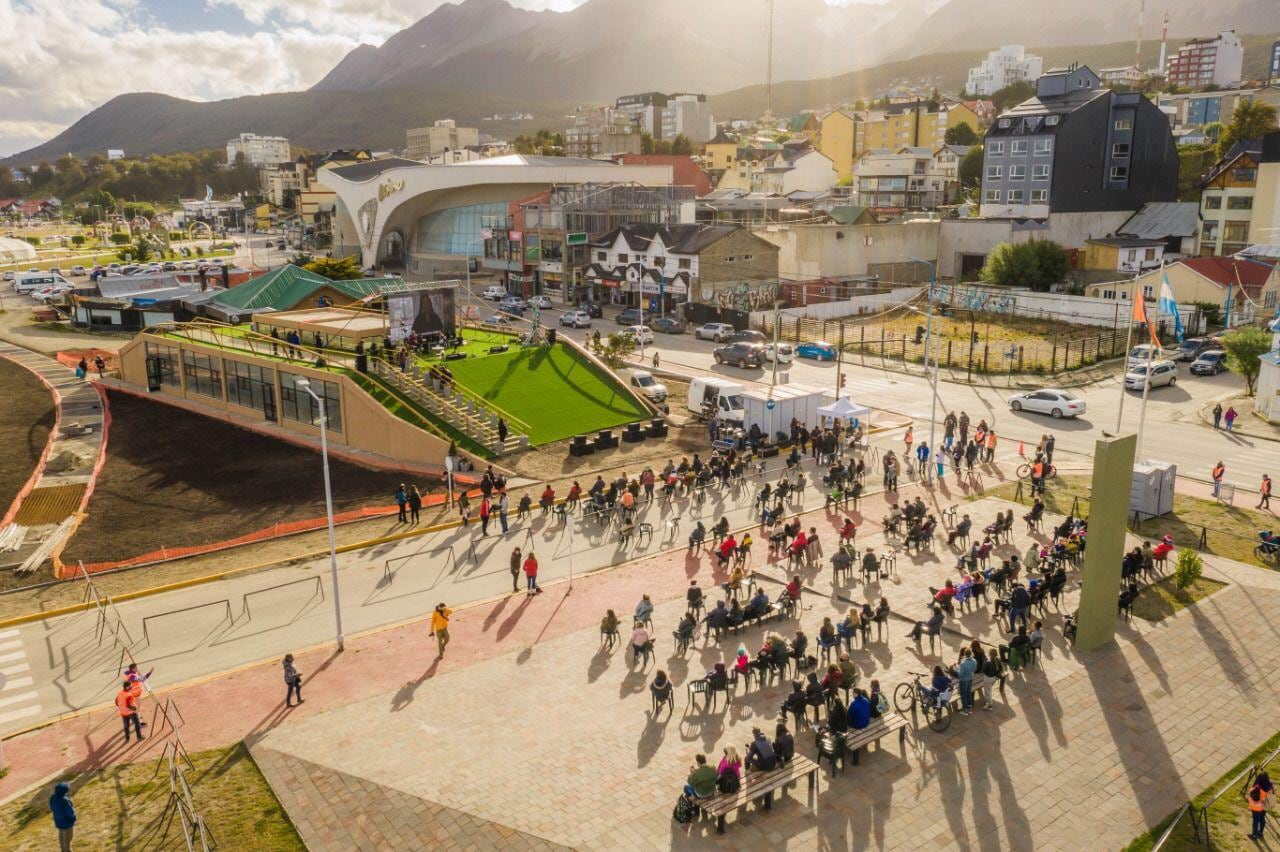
30,282
708,394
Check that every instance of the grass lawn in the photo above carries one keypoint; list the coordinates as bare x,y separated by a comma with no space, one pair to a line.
1163,598
550,389
124,808
26,418
1232,530
1229,820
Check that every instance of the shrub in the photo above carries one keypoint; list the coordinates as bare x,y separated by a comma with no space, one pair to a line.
119,238
1187,568
77,239
199,251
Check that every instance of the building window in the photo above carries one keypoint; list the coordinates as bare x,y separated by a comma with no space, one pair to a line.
1016,196
994,172
1050,121
252,387
298,405
1239,202
730,258
1043,146
992,196
660,262
1018,146
1108,294
995,148
1213,202
1235,232
601,256
747,258
1244,175
1124,124
1039,196
1149,254
622,258
203,373
1119,172
1017,172
1148,290
163,364
1269,300
1120,150
1040,172
685,263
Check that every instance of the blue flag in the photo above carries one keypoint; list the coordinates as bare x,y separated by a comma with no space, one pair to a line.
1167,305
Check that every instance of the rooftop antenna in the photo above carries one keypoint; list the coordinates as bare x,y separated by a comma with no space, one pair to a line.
1137,51
769,67
1164,42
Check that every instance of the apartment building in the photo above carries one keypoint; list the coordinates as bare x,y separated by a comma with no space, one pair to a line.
644,110
1197,109
919,124
423,143
602,132
258,151
1227,198
1076,147
1010,64
895,181
838,139
689,116
1201,62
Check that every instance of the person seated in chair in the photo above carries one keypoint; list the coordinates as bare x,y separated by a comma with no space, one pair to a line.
640,642
870,563
842,561
698,536
859,714
943,597
848,531
833,679
940,686
717,618
644,609
1128,596
765,495
795,703
931,627
799,545
718,677
799,646
761,756
736,615
721,529
685,629
548,499
894,520
961,530
726,549
734,583
1033,517
758,605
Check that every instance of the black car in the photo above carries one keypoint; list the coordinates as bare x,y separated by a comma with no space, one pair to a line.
1193,347
593,310
631,316
749,336
667,325
742,354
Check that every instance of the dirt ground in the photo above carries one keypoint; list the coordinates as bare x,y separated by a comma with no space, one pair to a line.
26,418
176,479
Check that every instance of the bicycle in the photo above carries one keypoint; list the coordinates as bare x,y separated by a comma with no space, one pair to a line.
1024,470
907,695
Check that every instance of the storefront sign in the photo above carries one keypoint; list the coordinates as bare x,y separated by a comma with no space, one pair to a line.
551,266
575,239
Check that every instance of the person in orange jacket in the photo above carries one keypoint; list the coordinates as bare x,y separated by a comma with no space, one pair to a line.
127,704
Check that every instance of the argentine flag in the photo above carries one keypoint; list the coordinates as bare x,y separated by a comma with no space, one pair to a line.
1166,305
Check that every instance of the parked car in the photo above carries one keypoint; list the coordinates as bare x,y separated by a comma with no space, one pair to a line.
1162,373
512,308
642,333
9,275
497,320
629,316
1210,363
576,319
593,310
785,353
493,293
749,336
1051,401
717,331
52,294
187,265
819,350
668,325
170,266
643,381
79,271
542,303
742,354
56,270
1144,352
513,302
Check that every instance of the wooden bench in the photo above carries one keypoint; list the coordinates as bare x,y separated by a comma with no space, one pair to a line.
855,740
757,785
980,682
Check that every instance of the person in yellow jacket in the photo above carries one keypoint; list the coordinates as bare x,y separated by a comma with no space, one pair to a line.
440,625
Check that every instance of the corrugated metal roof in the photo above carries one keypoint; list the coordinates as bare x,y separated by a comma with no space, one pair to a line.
1159,220
280,288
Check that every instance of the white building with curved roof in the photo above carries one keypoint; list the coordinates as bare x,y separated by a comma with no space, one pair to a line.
16,251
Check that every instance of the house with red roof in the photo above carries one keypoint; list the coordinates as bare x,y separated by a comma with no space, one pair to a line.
684,171
1248,288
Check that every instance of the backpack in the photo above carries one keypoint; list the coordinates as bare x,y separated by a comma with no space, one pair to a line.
991,668
728,782
685,810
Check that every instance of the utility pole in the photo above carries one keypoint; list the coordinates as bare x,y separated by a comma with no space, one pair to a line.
769,67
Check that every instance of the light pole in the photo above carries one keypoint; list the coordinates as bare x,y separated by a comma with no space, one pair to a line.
304,384
930,345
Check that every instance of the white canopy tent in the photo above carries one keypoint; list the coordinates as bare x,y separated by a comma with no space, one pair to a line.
16,251
844,409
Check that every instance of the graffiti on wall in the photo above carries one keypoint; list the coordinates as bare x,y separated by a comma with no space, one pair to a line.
747,296
982,299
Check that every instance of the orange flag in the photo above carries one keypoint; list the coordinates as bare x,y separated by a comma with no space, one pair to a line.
1140,315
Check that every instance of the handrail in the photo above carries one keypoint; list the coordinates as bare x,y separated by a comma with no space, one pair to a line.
466,394
1173,823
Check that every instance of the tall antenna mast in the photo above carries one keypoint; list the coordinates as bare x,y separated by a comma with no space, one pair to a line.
769,70
1137,51
1164,40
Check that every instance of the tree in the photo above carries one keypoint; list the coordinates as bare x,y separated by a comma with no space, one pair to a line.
139,252
1037,264
961,134
970,169
1249,120
336,268
646,143
1013,94
1193,162
1243,347
681,145
119,238
1186,569
1213,131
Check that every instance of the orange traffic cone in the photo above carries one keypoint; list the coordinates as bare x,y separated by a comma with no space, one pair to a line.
1022,450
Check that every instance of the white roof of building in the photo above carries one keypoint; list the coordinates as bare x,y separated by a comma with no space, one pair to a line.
12,250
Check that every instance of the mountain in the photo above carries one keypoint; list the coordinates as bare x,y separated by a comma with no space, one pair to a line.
476,58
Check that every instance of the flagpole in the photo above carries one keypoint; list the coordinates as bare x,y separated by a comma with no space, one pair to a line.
1142,412
1128,341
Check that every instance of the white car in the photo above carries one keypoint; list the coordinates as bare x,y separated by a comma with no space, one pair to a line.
1162,373
1051,401
642,333
643,381
1143,352
786,354
187,265
576,319
79,271
717,331
493,293
52,294
497,320
542,303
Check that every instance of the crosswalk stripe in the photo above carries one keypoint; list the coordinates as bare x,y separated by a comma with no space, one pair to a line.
7,634
18,699
16,683
10,646
18,655
15,715
13,670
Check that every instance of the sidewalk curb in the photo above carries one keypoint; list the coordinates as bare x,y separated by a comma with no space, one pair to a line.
1207,419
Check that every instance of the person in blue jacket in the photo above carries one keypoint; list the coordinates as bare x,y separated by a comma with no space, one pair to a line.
64,815
859,710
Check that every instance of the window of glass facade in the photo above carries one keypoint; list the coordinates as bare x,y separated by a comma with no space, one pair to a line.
457,230
203,372
994,172
165,361
992,196
1018,146
1239,202
1015,196
1044,146
298,405
252,386
1040,172
1017,172
995,148
1039,195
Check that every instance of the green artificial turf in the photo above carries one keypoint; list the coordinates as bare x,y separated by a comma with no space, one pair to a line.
556,393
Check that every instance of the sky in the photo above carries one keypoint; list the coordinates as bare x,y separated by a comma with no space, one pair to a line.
66,57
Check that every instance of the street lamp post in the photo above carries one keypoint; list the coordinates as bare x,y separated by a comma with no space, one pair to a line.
931,345
304,384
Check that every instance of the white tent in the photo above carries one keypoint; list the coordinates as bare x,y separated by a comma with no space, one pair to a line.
844,409
16,251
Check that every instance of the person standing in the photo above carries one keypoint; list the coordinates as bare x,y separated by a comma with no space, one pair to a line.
1219,470
907,440
1230,416
922,457
484,515
504,505
63,811
1264,493
502,431
99,364
1048,449
1258,797
991,446
292,682
515,570
964,674
415,504
939,459
127,704
82,370
402,502
464,507
949,429
531,575
440,626
1217,415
